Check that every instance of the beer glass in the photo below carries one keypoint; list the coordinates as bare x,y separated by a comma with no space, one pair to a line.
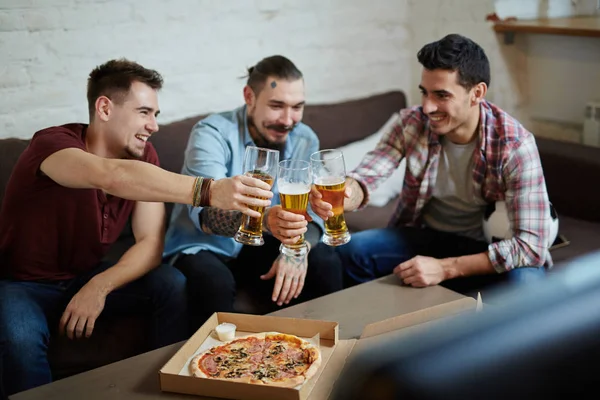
329,177
293,181
261,164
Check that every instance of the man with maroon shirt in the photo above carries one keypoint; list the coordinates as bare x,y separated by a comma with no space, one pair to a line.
68,199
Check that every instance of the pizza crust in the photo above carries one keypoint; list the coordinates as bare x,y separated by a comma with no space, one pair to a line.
195,369
288,383
314,367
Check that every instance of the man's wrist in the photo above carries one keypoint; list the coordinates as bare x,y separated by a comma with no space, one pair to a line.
101,284
210,189
265,221
450,268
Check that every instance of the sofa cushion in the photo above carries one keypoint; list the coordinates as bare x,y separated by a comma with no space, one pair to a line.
342,123
171,140
354,153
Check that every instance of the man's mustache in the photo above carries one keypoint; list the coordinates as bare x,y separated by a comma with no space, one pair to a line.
281,128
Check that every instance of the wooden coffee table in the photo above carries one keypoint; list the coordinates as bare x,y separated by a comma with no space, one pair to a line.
136,378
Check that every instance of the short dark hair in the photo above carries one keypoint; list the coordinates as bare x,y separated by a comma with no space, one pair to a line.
457,53
113,79
276,66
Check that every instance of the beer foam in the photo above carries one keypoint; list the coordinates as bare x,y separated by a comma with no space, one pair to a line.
293,188
330,180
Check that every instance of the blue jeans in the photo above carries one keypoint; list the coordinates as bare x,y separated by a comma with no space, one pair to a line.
375,253
30,313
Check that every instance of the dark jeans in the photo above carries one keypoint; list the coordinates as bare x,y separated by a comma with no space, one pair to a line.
30,313
375,253
212,279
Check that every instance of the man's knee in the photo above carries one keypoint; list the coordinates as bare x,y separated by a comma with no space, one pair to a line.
23,324
24,337
166,282
204,273
526,274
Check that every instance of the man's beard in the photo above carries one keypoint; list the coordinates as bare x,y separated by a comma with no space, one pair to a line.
261,141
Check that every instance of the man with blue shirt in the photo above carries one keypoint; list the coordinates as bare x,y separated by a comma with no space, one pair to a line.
200,240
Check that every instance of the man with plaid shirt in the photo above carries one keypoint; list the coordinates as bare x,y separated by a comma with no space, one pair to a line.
462,153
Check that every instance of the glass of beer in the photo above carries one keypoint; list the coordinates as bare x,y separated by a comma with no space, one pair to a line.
293,182
261,164
329,176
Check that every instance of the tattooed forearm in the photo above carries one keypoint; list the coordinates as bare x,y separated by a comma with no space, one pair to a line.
357,196
220,222
295,261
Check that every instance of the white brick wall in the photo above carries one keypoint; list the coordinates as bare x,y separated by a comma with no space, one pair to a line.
346,49
47,48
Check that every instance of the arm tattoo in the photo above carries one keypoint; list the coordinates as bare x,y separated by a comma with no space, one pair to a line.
220,222
296,262
357,196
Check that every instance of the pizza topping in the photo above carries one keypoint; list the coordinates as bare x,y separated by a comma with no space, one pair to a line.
267,371
256,348
239,353
236,373
276,358
210,365
278,349
295,354
291,364
256,358
309,355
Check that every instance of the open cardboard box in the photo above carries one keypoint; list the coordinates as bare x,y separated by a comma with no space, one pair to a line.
391,329
174,376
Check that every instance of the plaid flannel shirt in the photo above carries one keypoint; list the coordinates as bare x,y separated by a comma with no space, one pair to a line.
507,167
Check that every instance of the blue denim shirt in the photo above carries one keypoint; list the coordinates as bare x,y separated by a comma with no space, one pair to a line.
216,149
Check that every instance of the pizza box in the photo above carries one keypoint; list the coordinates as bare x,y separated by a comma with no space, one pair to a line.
175,376
391,329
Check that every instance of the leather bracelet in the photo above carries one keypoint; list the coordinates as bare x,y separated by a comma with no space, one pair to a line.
205,192
196,198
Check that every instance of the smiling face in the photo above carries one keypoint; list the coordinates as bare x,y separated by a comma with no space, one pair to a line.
452,109
130,121
274,112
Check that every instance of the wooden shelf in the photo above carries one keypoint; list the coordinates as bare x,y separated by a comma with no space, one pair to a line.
574,26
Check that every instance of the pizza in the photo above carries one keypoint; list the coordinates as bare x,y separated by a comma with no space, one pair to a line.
271,358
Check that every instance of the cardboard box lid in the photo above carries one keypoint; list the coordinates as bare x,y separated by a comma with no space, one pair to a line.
419,317
378,333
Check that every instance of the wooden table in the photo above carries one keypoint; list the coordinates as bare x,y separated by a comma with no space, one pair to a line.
136,378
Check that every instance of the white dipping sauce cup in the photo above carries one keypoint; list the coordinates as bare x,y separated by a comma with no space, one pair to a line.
225,331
